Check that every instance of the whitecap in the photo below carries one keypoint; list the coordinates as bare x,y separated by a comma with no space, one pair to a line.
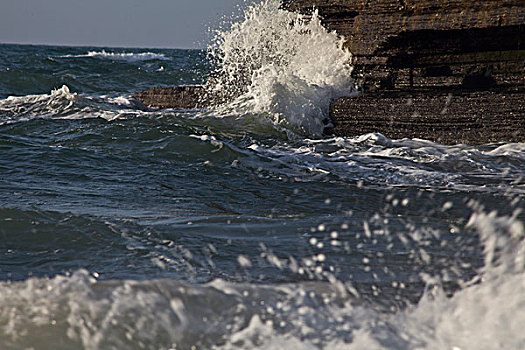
123,56
61,103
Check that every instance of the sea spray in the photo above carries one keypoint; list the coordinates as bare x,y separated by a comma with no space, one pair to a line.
81,311
281,66
486,315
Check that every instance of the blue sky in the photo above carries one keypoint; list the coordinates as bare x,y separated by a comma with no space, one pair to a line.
122,23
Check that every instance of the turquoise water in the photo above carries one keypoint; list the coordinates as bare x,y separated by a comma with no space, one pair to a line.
126,227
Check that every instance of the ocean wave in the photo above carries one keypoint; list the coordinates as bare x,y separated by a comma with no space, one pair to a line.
61,103
280,67
375,159
124,56
80,311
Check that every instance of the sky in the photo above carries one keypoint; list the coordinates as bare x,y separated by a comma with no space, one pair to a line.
113,23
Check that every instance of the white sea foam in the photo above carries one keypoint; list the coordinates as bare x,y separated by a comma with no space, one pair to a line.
45,105
123,56
81,312
486,315
374,158
61,103
280,66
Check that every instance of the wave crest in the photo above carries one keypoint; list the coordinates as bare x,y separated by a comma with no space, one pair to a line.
82,311
125,56
61,103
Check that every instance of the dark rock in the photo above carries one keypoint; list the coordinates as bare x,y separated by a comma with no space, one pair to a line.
478,82
446,116
396,42
179,97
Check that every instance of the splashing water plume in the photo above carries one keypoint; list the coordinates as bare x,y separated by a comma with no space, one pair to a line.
280,65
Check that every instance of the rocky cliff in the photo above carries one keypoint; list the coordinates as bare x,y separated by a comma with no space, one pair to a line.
451,71
401,44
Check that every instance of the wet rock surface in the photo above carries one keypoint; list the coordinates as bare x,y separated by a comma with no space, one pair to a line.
448,71
448,117
177,97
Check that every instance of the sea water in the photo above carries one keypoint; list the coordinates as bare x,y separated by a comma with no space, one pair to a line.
240,226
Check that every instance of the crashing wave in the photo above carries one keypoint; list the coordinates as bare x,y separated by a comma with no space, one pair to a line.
79,311
281,66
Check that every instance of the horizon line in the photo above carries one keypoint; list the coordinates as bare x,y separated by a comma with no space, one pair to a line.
103,46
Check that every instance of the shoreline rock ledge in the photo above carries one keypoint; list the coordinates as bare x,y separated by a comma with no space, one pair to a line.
451,71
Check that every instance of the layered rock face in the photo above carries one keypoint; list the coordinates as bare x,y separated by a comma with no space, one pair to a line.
468,117
451,71
428,43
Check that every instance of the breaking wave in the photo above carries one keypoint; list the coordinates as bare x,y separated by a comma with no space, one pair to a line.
63,104
280,66
125,56
81,311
